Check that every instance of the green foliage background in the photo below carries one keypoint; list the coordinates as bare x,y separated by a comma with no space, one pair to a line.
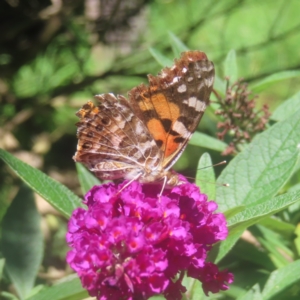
53,59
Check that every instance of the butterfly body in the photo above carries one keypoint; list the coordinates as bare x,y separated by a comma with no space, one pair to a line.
141,138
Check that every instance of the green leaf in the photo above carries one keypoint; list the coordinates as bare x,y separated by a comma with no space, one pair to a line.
266,82
233,211
68,289
251,215
230,66
177,45
274,244
9,296
205,177
203,140
253,294
54,192
4,198
86,178
22,241
287,108
219,250
36,289
248,252
257,174
160,297
160,58
297,239
280,279
277,225
194,289
2,264
233,292
220,86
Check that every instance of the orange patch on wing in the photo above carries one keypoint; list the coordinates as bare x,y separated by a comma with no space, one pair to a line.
96,110
164,108
157,130
171,146
89,106
145,105
159,103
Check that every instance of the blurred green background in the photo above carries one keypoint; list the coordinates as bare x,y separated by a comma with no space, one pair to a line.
55,55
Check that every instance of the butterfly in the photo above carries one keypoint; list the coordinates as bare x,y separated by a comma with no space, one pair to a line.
141,138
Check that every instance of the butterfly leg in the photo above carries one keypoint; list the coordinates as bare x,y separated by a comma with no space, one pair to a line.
163,186
129,182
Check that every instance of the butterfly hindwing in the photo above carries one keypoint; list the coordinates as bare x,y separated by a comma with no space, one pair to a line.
112,140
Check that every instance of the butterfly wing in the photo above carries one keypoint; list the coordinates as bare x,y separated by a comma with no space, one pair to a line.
172,105
112,141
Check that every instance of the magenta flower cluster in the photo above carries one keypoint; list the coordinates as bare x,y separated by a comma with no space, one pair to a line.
135,244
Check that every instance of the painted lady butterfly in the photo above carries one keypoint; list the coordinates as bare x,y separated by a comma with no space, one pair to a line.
142,138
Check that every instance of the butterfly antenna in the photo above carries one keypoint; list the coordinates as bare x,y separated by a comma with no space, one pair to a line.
214,165
216,183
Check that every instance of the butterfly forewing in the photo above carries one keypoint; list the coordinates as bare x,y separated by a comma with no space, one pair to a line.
174,102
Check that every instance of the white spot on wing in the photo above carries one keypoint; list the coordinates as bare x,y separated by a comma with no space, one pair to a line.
164,75
138,155
112,95
139,129
204,68
175,79
192,101
152,143
181,88
181,129
121,122
200,105
200,86
209,81
210,67
147,145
